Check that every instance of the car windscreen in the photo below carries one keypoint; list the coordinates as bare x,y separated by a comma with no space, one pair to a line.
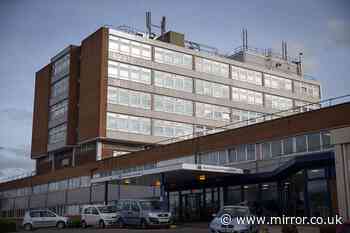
234,211
107,209
151,205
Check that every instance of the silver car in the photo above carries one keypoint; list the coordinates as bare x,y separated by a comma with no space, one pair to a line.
43,218
100,215
144,213
226,220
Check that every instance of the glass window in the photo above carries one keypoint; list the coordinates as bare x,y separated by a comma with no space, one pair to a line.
171,129
302,106
59,110
211,67
318,198
288,146
60,67
276,148
326,140
173,81
129,98
306,89
241,153
314,142
173,105
316,173
172,58
246,75
210,158
251,152
58,134
222,157
279,103
212,89
128,47
60,88
212,112
123,71
241,115
278,83
300,143
232,156
130,124
247,96
266,150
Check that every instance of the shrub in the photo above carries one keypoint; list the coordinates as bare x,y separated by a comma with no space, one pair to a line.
75,223
7,225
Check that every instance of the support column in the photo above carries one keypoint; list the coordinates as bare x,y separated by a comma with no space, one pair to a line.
106,193
340,138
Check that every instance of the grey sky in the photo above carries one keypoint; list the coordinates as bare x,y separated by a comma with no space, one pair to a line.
33,31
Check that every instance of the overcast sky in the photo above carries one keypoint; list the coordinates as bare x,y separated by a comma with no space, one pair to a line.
33,31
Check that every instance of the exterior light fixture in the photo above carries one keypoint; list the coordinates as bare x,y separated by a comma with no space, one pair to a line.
202,178
157,183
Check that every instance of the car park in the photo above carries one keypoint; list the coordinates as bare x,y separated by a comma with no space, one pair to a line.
144,213
226,220
43,218
100,215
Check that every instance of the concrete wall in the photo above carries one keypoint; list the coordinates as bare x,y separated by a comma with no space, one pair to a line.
341,139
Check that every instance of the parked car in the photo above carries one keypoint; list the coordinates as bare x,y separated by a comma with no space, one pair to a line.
144,213
100,215
43,218
230,224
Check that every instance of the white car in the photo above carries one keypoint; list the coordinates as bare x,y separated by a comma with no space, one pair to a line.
226,220
100,215
43,218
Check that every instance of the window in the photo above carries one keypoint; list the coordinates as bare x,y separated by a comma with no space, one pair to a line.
288,146
241,153
212,89
58,111
211,67
74,183
276,148
326,140
251,152
173,105
212,112
123,71
305,106
128,47
172,58
246,75
232,155
247,96
171,129
241,115
279,103
60,88
314,142
306,89
128,123
60,67
210,158
35,214
129,98
266,150
278,83
58,134
173,81
300,143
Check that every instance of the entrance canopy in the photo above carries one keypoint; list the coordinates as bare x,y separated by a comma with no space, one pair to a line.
172,175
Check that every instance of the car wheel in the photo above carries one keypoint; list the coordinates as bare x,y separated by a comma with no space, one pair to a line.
143,224
120,223
83,224
60,225
28,227
101,224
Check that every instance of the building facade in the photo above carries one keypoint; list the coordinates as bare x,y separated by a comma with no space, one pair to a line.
118,92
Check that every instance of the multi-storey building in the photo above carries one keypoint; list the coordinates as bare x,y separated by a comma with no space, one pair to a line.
119,92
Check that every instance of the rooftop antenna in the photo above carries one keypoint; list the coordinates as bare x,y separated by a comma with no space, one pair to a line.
149,25
245,39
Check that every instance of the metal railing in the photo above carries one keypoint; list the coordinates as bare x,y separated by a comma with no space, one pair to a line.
266,117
